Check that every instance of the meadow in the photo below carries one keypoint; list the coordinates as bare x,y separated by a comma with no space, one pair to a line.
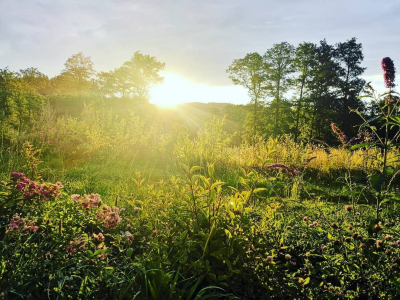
99,206
106,196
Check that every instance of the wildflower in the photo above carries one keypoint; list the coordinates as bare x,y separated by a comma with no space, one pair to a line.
305,218
18,224
76,197
87,201
377,227
288,257
388,237
269,259
77,244
358,213
15,223
315,223
323,247
136,209
94,199
128,226
289,227
311,225
348,208
30,227
379,244
355,141
339,134
16,176
351,227
301,280
110,216
388,72
85,204
99,237
363,246
49,191
303,235
21,186
307,254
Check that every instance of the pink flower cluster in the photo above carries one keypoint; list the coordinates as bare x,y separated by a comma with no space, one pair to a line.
31,188
18,224
87,201
109,216
99,237
389,72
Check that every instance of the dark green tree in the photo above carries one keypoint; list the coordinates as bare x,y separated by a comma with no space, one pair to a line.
349,56
278,63
249,72
305,62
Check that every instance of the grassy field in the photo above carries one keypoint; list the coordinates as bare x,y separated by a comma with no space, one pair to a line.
113,206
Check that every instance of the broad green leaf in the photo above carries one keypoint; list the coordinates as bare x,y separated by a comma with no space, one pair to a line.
129,252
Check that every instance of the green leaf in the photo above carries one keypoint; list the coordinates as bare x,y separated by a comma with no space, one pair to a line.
194,169
358,146
376,181
307,281
215,184
208,239
129,252
385,200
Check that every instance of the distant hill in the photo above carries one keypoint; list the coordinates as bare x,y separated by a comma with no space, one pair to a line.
190,115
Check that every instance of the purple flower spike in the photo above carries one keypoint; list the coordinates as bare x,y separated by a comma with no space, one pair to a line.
388,72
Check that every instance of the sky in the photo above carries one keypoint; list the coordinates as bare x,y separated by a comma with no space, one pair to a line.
197,39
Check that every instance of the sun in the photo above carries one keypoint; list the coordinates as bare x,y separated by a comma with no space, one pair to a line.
173,91
176,90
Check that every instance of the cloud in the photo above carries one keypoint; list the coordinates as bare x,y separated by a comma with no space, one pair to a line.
196,39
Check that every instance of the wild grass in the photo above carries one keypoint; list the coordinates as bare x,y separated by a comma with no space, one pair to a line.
195,218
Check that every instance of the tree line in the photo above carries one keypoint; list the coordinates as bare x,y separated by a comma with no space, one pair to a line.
293,90
302,90
23,93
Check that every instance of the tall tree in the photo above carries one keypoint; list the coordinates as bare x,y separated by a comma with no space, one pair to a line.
323,94
77,72
349,56
279,65
305,63
249,72
35,79
18,100
133,79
